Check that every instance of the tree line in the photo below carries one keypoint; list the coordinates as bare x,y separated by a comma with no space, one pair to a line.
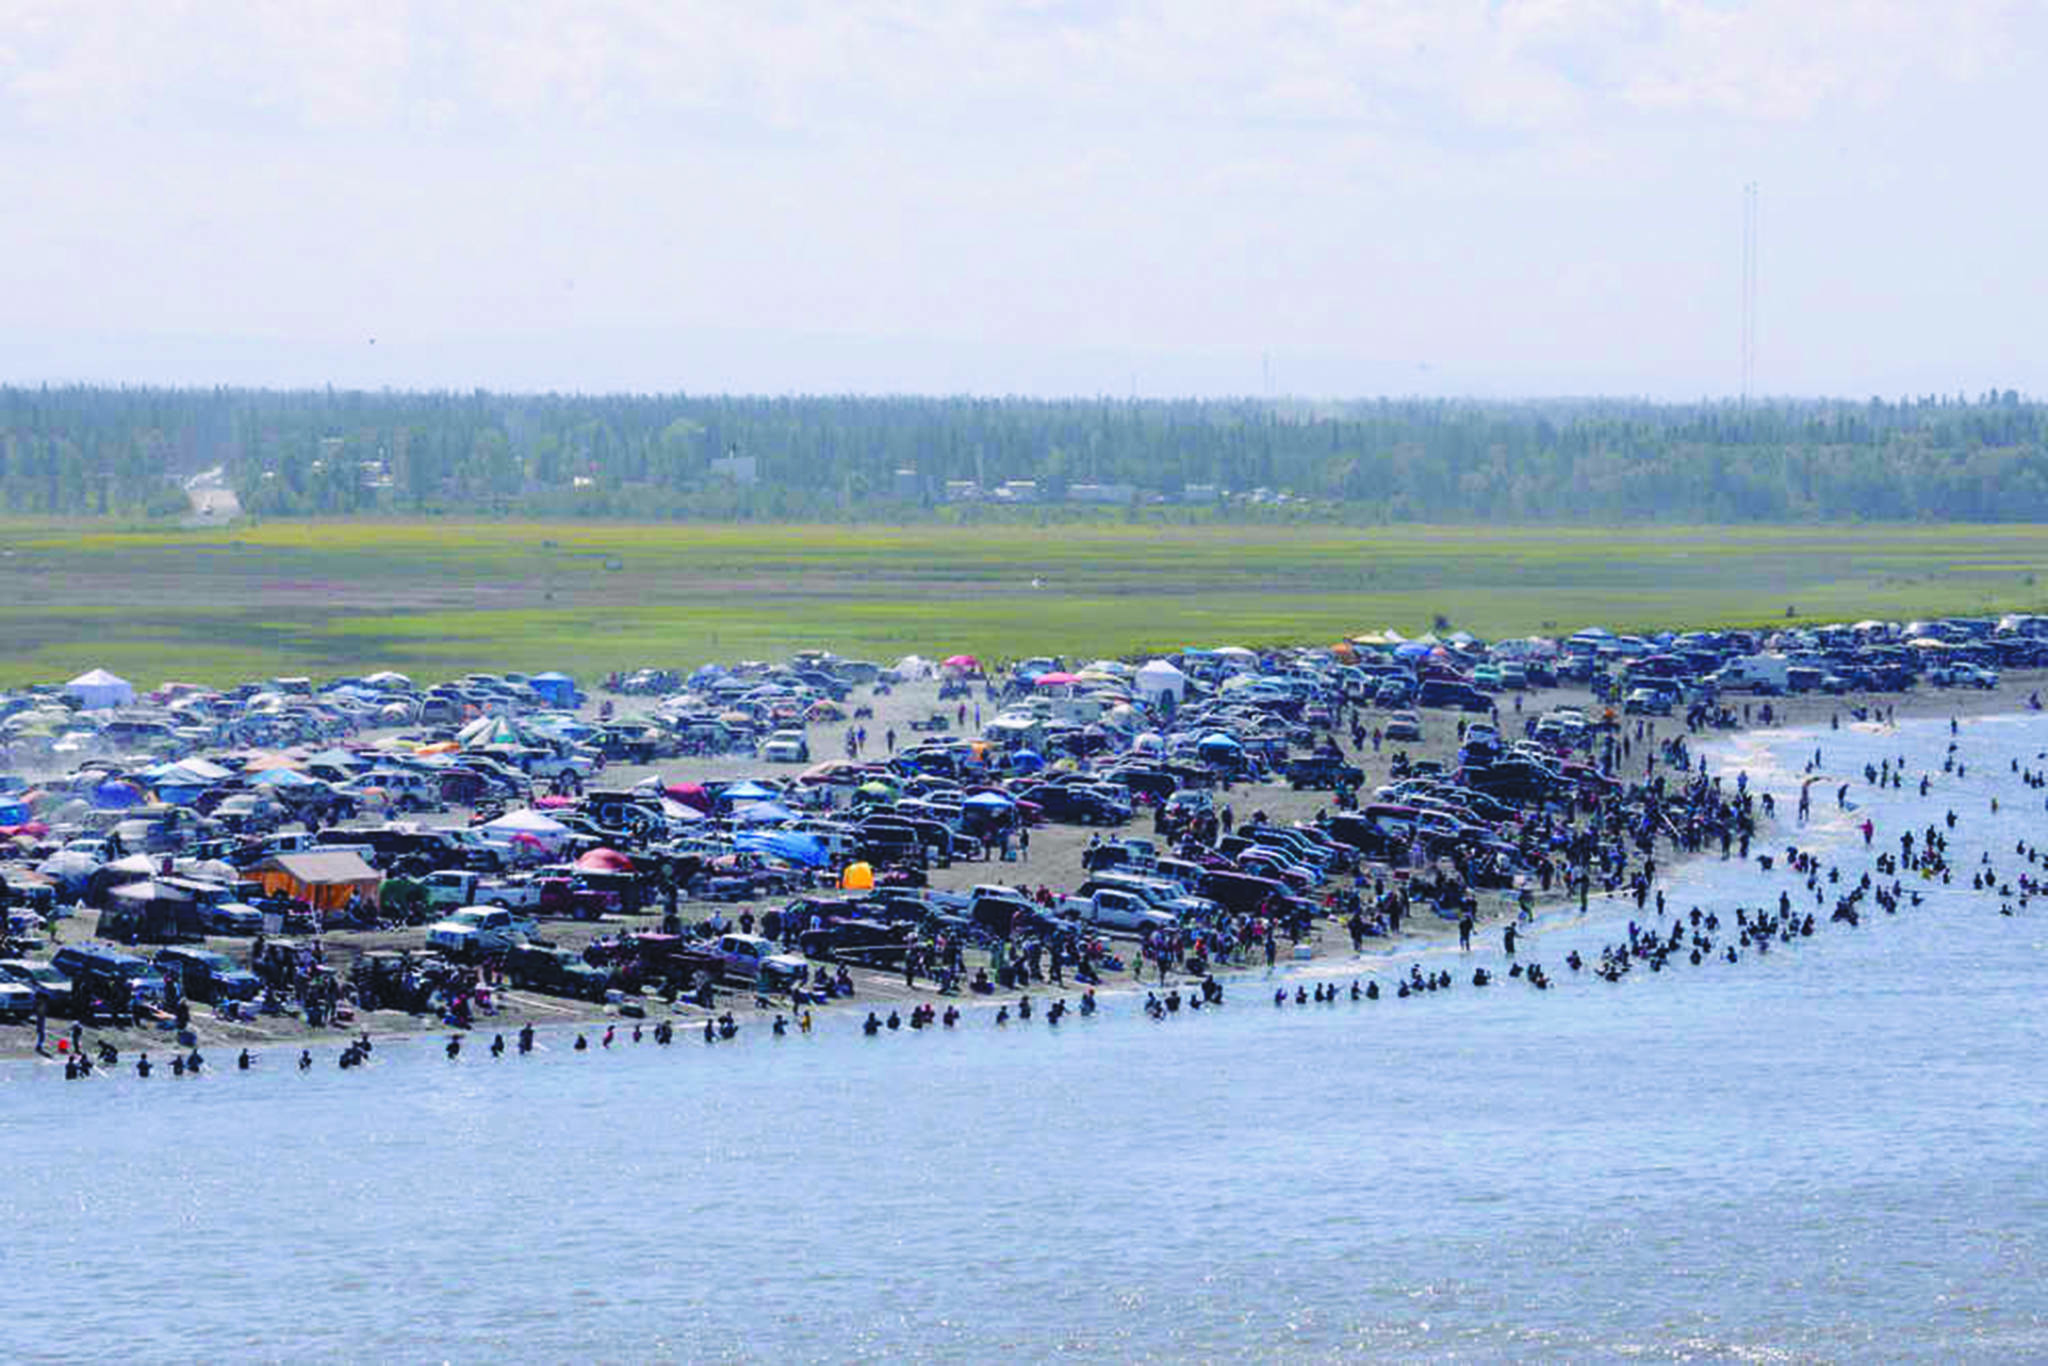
88,451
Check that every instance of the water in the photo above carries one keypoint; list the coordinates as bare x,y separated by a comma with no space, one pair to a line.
1833,1151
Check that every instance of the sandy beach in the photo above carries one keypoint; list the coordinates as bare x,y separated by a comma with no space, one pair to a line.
1054,860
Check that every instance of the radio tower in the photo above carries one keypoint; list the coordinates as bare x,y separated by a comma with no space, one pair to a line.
1749,213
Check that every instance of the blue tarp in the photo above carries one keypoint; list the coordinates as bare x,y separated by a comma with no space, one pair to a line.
808,850
763,813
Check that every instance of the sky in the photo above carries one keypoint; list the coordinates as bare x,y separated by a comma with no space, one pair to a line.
1044,197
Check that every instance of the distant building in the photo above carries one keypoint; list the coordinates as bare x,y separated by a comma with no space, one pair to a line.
1200,493
741,469
1017,491
907,487
1120,494
962,490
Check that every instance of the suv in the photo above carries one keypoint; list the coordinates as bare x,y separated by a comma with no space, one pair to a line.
46,981
108,976
558,972
204,975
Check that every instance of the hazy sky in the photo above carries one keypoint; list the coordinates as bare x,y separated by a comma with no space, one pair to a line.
1388,197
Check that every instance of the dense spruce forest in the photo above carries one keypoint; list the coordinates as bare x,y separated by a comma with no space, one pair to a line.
124,452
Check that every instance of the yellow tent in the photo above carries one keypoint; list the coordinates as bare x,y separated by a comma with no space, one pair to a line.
858,877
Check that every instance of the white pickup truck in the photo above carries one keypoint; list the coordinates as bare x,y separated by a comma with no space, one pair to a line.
457,887
477,930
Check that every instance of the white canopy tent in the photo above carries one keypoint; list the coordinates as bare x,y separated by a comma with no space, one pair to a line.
99,690
1159,677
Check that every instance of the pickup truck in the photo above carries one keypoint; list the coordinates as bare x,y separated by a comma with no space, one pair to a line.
1116,910
552,896
750,958
457,887
477,930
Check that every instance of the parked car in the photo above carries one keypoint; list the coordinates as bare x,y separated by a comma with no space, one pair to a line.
204,975
786,747
43,979
1404,726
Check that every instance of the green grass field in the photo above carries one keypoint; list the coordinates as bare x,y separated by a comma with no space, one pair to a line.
438,599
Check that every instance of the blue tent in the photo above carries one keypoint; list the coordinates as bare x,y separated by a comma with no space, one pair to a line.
1027,761
283,777
13,811
1216,739
741,793
763,813
993,800
558,688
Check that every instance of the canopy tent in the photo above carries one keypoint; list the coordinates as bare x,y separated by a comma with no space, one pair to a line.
1160,677
763,813
99,690
1055,678
558,689
858,877
527,821
283,778
389,679
740,793
324,880
193,772
912,668
153,910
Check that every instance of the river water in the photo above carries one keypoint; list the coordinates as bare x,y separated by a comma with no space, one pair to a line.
1835,1150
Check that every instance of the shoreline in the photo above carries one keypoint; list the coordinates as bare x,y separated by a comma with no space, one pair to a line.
1422,934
